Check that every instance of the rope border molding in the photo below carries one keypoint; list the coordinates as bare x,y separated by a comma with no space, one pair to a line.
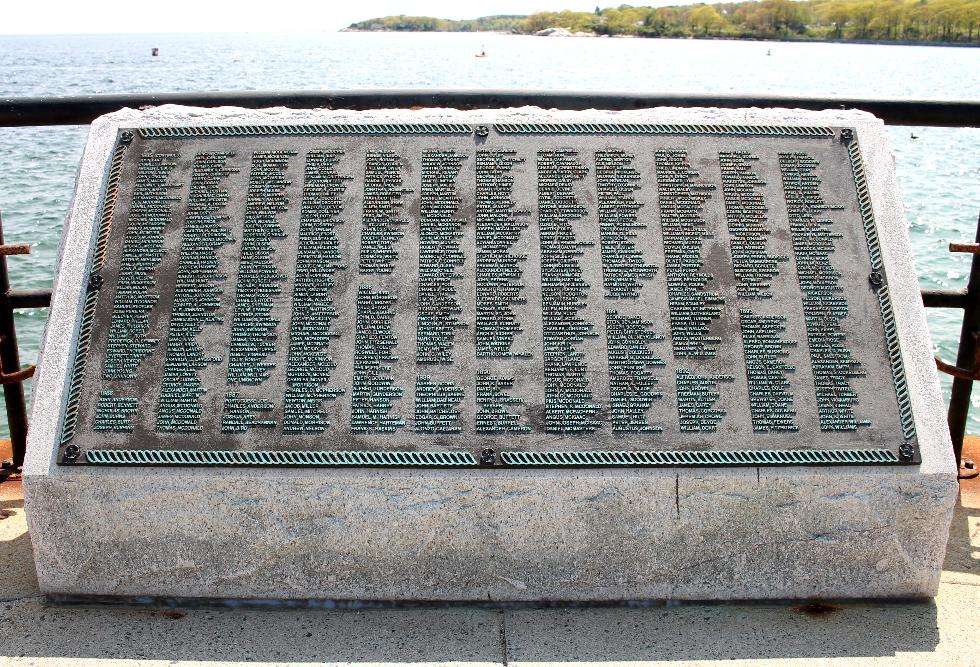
466,129
177,457
884,297
340,459
304,130
70,421
770,457
644,128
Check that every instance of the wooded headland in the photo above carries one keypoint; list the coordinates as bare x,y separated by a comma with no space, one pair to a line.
926,21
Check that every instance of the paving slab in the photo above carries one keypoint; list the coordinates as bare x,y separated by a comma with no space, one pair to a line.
16,559
909,633
37,630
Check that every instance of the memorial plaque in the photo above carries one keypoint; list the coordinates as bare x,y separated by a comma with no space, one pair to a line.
564,294
367,336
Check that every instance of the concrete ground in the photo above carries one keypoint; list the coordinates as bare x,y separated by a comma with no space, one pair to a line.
946,631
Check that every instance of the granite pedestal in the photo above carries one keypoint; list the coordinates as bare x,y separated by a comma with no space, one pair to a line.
645,454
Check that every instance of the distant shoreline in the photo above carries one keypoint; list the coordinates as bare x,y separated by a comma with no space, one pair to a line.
709,38
926,22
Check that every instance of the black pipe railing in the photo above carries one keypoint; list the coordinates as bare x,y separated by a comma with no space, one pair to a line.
945,298
81,110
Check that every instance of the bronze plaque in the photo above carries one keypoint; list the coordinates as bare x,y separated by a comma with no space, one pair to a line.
424,294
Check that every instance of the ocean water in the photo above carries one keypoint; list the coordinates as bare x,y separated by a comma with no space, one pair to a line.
939,169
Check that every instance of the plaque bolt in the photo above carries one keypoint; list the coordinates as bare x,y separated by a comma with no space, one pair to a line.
126,137
876,279
905,452
95,281
487,457
846,135
482,130
71,453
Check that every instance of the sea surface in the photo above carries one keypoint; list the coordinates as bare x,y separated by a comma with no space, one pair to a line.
938,168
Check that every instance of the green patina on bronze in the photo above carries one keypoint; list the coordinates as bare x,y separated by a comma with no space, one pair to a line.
573,231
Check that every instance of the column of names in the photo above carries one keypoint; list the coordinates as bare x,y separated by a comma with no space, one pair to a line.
129,342
254,330
569,406
765,350
198,290
311,334
824,305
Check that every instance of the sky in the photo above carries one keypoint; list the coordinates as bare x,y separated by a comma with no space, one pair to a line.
33,17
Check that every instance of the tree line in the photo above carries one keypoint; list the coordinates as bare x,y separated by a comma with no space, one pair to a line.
946,21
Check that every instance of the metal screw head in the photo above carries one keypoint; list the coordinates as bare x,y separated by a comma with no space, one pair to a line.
487,457
905,452
876,279
72,452
482,130
126,137
846,135
95,281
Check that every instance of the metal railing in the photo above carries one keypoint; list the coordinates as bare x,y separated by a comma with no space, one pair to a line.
81,110
967,368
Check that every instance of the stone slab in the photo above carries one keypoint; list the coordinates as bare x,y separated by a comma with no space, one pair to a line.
500,534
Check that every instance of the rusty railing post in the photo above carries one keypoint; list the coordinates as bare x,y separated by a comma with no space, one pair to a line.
966,357
13,393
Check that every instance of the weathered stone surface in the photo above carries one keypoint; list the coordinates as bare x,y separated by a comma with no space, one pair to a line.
516,534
